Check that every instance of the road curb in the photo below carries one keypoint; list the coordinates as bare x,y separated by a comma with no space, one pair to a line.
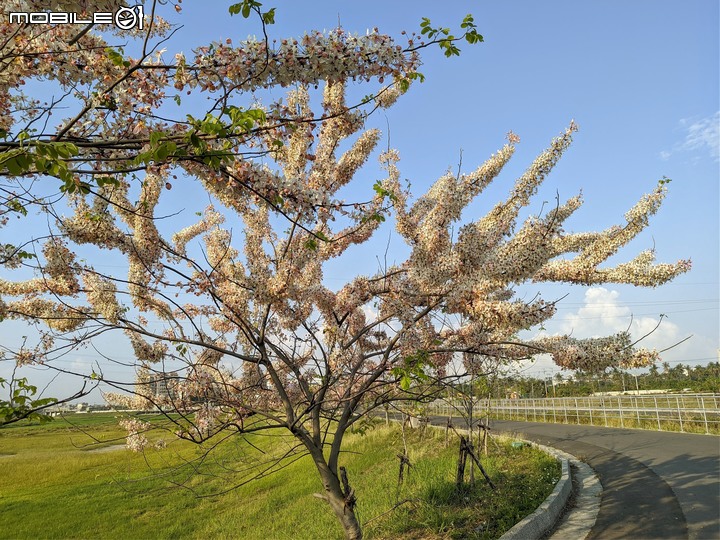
579,520
544,518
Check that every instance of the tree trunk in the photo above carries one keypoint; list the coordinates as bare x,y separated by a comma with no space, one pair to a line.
339,502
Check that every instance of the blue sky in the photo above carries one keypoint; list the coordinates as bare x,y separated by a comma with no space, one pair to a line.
641,80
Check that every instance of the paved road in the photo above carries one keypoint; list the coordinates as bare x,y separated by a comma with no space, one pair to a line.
656,485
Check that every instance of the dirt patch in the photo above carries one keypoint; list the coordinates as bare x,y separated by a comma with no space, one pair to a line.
104,449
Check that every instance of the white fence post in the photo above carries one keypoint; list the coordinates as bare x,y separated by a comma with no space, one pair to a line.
679,410
577,412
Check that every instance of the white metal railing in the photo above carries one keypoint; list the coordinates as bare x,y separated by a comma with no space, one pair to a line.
665,412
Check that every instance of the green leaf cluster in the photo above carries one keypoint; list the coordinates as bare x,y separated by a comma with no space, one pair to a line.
383,192
22,403
38,157
234,121
312,242
404,83
412,369
116,57
12,251
446,40
246,7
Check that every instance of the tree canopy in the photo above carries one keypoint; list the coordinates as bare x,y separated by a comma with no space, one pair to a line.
230,313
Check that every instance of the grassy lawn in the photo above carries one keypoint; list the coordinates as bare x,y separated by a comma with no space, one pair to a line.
57,483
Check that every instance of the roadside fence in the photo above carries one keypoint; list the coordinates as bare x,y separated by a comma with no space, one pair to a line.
696,413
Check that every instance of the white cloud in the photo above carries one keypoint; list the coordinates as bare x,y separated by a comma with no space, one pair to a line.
604,314
701,136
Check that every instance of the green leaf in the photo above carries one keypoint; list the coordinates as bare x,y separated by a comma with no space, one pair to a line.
16,206
473,37
66,150
114,56
14,167
24,161
43,402
269,16
164,150
380,190
107,180
155,137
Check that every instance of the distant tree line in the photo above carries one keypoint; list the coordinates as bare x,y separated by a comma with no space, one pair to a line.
676,378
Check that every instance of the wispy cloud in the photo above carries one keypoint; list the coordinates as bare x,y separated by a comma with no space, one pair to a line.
701,136
604,314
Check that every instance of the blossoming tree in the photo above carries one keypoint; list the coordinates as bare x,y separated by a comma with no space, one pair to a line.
240,328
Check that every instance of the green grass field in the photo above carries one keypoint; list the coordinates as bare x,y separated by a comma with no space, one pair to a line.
57,482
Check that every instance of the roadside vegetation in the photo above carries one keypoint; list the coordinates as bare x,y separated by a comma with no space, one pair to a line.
70,478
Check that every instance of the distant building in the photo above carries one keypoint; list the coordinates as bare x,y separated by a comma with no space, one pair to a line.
162,385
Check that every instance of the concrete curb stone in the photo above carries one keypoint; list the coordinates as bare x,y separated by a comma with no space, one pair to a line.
548,520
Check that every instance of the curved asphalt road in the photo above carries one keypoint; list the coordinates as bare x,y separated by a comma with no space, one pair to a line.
656,485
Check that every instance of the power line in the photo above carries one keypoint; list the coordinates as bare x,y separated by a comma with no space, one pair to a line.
628,315
639,303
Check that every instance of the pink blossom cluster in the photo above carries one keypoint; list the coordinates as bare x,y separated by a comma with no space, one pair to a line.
333,56
136,440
